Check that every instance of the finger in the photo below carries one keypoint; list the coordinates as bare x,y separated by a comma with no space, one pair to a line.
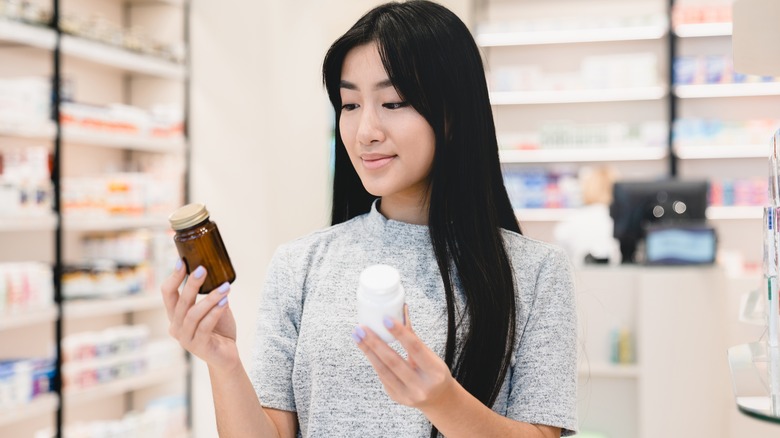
392,360
193,318
393,385
210,321
408,324
189,293
417,351
170,288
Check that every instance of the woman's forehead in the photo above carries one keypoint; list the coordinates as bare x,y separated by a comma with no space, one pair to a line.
363,63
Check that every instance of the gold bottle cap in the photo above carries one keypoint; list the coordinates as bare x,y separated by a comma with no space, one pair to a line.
187,216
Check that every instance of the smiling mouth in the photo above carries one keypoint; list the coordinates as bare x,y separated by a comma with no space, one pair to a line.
376,163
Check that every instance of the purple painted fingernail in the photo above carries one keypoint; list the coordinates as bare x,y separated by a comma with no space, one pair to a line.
359,332
200,272
222,302
356,338
179,265
224,288
388,322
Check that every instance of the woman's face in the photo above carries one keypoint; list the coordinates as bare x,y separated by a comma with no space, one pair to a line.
389,143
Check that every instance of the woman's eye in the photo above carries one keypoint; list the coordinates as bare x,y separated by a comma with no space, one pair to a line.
395,105
348,106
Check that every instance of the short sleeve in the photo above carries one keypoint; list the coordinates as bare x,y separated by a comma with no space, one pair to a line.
277,334
543,385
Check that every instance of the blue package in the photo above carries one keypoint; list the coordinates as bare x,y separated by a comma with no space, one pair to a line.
728,193
684,70
715,68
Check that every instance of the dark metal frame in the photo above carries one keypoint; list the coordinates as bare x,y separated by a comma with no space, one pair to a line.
673,160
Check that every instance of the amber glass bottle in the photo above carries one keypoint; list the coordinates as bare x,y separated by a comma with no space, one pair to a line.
199,244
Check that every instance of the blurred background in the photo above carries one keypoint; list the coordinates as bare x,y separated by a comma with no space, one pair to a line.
113,113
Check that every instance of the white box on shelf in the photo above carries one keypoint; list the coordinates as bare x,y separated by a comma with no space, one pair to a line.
25,101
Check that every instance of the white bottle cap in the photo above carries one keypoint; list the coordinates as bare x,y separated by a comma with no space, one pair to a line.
381,281
380,295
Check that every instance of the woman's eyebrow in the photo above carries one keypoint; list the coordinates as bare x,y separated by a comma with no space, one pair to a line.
379,85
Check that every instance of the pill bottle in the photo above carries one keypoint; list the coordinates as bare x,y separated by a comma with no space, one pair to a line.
379,295
199,244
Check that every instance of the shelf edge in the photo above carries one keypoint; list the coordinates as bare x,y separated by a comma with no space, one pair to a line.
117,57
571,36
41,405
114,388
24,319
85,308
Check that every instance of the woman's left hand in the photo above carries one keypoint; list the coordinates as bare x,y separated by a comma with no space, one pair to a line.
421,380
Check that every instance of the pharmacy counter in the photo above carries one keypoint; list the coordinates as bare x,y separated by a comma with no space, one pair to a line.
675,320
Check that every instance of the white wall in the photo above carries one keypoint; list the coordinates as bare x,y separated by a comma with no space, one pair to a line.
260,136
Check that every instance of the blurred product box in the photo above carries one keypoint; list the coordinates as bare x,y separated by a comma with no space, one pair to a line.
25,181
25,101
571,135
710,132
160,122
21,381
25,287
541,188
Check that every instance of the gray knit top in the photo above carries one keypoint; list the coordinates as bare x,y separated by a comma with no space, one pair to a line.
305,360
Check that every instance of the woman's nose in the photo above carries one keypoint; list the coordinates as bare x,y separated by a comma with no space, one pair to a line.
370,129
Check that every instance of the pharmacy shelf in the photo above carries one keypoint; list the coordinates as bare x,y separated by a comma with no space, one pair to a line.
41,405
88,308
542,214
28,318
698,30
570,36
21,33
609,370
38,131
716,152
164,2
582,155
120,141
74,397
112,223
120,58
576,96
727,90
713,213
46,222
735,212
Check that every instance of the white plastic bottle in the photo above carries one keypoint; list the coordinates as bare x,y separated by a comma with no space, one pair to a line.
380,294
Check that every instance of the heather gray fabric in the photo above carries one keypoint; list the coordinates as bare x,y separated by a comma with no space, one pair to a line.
305,360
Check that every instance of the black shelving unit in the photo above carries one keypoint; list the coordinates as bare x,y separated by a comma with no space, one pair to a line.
672,98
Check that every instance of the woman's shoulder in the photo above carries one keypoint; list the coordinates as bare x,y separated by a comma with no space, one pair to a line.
526,252
540,269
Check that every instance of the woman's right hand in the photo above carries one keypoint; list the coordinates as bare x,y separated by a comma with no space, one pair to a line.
205,328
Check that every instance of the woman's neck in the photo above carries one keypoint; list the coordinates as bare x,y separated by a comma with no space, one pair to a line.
411,211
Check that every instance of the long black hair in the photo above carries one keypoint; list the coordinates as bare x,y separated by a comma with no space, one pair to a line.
433,62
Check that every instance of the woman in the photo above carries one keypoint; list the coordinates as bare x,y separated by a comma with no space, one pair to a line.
418,186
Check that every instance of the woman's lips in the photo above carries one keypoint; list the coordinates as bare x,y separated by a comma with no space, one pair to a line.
376,163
